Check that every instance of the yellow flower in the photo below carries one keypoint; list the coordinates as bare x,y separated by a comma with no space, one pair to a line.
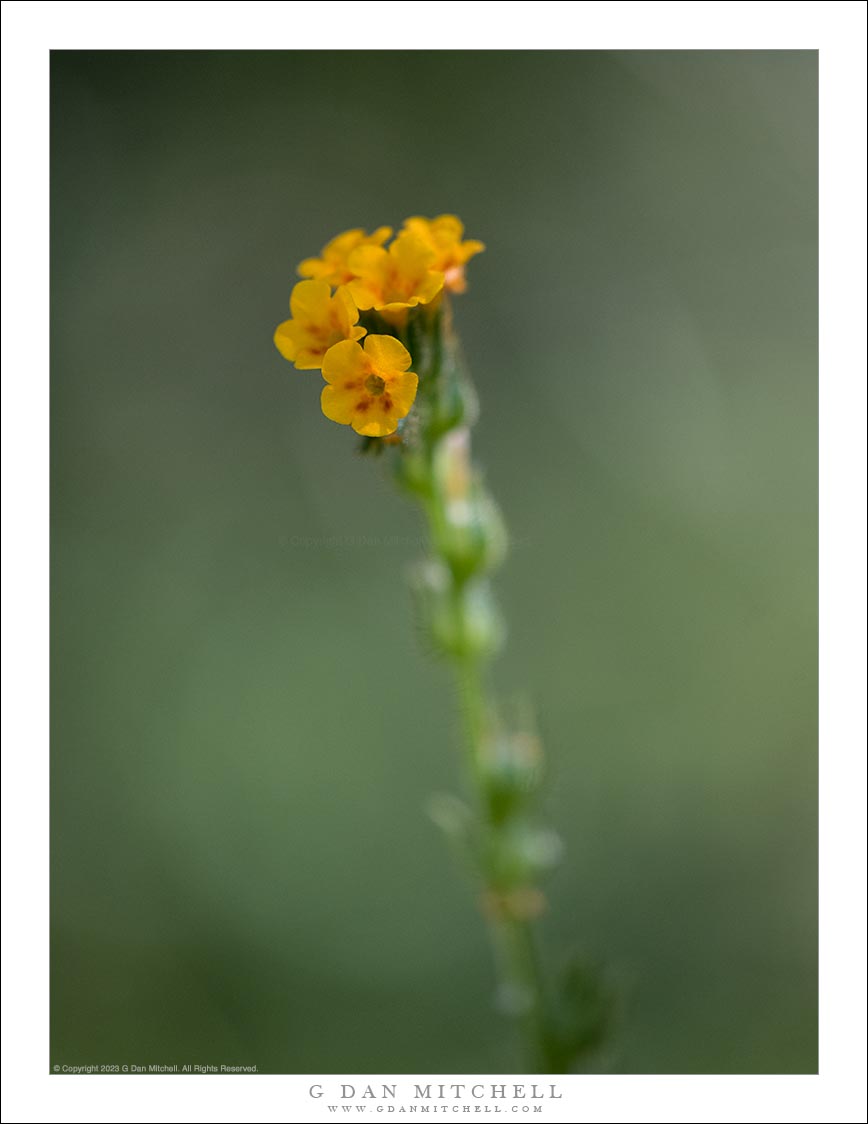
319,320
332,265
444,235
369,387
394,279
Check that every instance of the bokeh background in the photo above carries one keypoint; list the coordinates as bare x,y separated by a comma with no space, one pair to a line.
245,730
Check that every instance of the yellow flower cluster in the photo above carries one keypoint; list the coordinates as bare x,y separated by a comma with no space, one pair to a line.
369,383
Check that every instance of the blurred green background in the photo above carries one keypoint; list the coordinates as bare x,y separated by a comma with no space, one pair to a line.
245,729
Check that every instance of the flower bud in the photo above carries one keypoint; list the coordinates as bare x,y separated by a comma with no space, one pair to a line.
470,533
521,853
482,630
462,621
511,764
453,403
431,585
413,471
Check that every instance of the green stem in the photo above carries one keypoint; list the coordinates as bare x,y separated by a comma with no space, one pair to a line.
465,539
521,987
521,983
472,696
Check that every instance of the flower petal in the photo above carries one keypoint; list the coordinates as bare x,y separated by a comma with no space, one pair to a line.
345,362
338,405
402,391
285,340
346,313
369,261
310,300
412,254
429,286
387,354
374,427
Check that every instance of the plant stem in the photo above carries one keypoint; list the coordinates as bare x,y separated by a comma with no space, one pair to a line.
502,765
521,986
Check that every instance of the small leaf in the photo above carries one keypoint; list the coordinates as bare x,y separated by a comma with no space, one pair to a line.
587,1006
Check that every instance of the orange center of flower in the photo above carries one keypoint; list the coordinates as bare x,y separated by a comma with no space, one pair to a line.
374,385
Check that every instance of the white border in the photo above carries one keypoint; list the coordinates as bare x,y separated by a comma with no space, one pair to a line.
838,31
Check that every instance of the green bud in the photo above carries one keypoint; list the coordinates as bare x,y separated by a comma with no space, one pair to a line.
430,583
461,621
512,771
453,403
473,538
413,471
520,853
481,630
469,532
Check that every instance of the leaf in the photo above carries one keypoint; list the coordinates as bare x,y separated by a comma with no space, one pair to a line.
587,1005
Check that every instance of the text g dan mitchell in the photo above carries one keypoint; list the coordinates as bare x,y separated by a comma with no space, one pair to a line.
437,1092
